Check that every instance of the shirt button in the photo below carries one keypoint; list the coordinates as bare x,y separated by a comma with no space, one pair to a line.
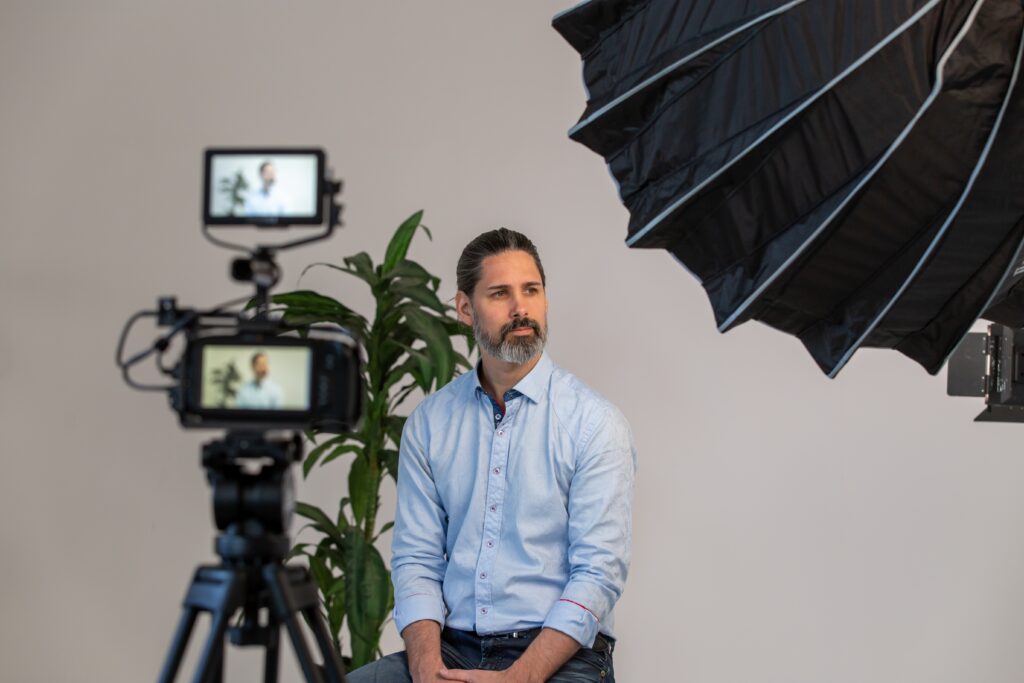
497,416
490,544
483,610
483,575
497,470
494,508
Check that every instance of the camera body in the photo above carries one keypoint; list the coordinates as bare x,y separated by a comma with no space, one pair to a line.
264,376
249,370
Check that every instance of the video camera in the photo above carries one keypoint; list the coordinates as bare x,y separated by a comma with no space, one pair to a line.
248,369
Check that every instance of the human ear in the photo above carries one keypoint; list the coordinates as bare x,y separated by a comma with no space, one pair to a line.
464,308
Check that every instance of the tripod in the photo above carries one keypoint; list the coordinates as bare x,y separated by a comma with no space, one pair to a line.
253,509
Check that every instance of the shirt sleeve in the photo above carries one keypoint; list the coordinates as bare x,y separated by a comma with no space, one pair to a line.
600,526
418,545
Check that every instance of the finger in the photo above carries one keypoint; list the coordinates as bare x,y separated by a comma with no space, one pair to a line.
456,675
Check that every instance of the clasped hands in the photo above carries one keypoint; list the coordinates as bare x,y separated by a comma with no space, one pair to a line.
510,675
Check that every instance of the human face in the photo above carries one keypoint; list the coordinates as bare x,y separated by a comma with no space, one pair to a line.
508,309
267,174
260,367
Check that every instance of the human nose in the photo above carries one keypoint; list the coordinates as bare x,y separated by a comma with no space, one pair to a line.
519,306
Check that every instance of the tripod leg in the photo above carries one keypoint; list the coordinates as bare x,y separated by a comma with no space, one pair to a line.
270,661
332,660
178,644
211,661
216,671
220,592
292,592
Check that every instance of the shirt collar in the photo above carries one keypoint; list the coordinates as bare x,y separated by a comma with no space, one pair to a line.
533,385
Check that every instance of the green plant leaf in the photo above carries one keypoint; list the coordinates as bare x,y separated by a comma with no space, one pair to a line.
321,522
322,575
297,549
313,301
402,394
334,596
368,594
316,453
305,307
413,272
340,451
439,345
390,458
360,481
336,557
342,519
336,611
393,425
362,266
337,587
411,364
419,294
399,244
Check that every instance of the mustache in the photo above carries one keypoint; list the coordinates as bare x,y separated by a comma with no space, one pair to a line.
520,323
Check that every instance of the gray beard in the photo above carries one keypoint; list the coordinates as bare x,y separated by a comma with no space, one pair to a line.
517,350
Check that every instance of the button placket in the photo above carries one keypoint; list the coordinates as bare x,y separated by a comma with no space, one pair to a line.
494,501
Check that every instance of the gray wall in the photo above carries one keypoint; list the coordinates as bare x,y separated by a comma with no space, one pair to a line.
788,528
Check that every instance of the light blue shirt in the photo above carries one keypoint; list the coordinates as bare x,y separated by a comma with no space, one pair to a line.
260,202
524,523
266,395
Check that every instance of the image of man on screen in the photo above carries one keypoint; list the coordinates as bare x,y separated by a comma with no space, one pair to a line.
265,199
261,392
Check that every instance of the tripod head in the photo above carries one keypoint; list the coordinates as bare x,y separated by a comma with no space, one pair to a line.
253,494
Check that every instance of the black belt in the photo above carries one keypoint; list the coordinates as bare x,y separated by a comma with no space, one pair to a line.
602,643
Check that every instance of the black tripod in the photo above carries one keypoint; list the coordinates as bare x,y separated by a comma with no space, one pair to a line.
253,509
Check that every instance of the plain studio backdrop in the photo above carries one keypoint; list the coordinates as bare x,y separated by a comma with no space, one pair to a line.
787,528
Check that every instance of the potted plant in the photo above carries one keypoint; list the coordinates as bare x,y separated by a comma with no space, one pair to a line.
407,345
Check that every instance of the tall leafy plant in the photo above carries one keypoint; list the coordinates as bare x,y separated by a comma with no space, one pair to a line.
407,345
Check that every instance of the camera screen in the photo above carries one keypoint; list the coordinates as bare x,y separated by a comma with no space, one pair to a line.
263,187
256,378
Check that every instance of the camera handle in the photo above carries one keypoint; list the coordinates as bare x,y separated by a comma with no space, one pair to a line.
259,267
332,209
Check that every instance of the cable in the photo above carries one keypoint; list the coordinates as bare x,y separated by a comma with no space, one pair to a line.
161,343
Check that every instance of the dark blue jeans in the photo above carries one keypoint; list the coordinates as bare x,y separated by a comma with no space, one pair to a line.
465,650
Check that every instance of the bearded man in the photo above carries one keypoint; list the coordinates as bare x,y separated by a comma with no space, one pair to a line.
512,534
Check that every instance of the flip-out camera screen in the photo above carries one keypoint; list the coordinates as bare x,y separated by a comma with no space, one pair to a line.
264,187
262,380
255,378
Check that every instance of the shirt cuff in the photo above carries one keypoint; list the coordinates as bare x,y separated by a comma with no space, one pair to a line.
418,607
574,620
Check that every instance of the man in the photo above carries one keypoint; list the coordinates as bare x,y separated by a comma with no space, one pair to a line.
512,534
260,393
264,200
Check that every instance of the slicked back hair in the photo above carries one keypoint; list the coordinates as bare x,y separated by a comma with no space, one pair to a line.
467,273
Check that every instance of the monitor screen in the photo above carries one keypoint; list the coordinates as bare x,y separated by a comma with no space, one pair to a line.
277,187
246,377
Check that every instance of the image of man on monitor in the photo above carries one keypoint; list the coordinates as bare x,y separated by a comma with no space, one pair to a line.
265,199
261,392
